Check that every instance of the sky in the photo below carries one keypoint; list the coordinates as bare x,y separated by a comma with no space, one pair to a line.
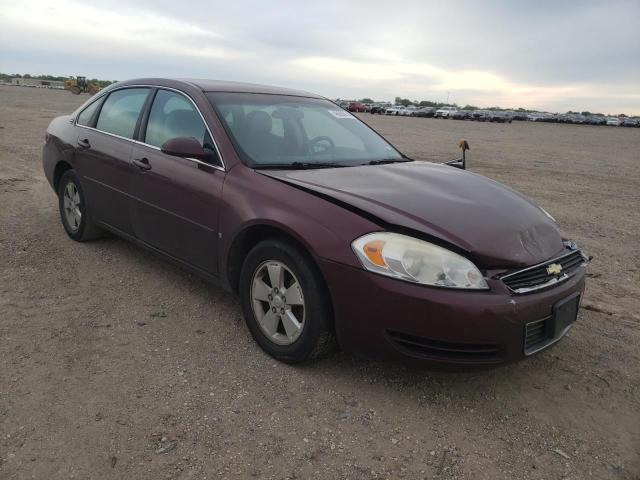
540,54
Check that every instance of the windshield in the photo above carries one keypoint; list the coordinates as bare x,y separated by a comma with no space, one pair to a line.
282,130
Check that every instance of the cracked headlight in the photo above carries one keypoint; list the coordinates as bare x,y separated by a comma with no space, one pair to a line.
413,260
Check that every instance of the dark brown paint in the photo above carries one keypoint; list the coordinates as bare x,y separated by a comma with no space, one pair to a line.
196,214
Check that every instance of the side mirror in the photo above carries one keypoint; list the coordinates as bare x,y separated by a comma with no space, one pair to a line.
186,147
460,162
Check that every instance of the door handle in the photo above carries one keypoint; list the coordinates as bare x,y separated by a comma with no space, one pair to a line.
142,163
84,144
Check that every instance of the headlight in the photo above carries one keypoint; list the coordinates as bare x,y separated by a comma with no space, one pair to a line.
417,261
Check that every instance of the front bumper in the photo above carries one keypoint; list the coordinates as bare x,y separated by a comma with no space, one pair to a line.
436,326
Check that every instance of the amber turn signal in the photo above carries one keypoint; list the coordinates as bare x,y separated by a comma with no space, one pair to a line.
373,251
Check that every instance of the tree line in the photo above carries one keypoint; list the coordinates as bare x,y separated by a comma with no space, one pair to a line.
6,77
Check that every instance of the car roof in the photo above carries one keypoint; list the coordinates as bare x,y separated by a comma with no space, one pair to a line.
218,86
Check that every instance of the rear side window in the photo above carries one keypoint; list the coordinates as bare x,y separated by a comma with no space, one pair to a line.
86,116
121,110
173,116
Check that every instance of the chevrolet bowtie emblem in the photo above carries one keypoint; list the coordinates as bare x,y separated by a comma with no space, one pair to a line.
554,269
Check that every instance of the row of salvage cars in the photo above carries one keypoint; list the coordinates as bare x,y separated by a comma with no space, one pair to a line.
498,116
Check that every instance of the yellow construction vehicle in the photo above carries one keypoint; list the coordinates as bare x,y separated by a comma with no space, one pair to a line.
78,85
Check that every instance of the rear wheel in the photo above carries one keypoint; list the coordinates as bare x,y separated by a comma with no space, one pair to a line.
74,213
285,303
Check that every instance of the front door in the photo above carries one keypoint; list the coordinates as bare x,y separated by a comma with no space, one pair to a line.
176,201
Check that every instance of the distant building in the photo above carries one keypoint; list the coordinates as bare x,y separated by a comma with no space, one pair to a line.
37,82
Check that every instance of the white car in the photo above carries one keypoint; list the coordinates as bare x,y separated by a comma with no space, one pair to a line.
613,121
409,110
395,110
445,112
536,117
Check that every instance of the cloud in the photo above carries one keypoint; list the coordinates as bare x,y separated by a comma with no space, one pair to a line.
539,54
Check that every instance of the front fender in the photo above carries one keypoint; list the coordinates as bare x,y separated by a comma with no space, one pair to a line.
251,199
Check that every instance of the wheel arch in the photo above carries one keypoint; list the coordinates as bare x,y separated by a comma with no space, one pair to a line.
61,167
249,237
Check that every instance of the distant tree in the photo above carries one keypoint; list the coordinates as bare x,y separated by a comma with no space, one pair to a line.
26,75
427,103
403,101
470,107
586,113
366,100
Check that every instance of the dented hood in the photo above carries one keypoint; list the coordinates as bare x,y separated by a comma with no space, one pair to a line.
498,227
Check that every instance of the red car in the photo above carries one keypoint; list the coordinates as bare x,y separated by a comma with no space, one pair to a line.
357,107
324,229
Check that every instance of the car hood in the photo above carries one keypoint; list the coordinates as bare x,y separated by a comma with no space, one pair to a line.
495,225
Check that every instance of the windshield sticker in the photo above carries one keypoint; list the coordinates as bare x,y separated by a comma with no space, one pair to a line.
341,114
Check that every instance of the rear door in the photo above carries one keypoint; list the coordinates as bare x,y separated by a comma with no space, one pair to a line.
104,147
176,200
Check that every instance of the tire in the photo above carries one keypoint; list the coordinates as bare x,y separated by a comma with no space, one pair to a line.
315,337
79,227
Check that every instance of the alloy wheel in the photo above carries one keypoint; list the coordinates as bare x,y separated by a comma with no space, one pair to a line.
71,202
278,302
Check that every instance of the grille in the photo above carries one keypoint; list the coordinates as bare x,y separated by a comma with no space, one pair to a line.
535,335
537,277
452,352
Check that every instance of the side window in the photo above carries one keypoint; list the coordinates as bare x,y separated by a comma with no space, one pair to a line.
86,115
172,116
121,110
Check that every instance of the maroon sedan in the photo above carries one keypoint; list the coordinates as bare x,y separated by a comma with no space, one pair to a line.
327,232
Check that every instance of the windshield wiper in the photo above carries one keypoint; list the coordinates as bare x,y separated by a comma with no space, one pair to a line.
388,160
298,165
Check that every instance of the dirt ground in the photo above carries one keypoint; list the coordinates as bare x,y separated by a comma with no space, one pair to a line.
115,364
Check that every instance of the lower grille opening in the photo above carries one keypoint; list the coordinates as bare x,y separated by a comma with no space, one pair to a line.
536,334
448,351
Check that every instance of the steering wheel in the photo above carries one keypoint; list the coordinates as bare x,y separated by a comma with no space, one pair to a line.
317,143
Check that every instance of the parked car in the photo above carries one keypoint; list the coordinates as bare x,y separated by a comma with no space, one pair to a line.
408,110
357,107
597,120
462,115
445,112
394,110
614,122
481,115
323,228
424,112
537,117
520,116
499,117
380,109
629,122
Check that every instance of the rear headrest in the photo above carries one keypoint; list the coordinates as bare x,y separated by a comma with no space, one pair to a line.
259,122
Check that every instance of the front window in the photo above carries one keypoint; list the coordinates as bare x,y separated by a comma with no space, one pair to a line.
281,130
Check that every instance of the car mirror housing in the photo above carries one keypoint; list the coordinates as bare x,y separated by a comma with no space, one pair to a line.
460,162
186,147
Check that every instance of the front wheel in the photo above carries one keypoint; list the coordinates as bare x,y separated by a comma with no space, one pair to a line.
285,303
74,213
